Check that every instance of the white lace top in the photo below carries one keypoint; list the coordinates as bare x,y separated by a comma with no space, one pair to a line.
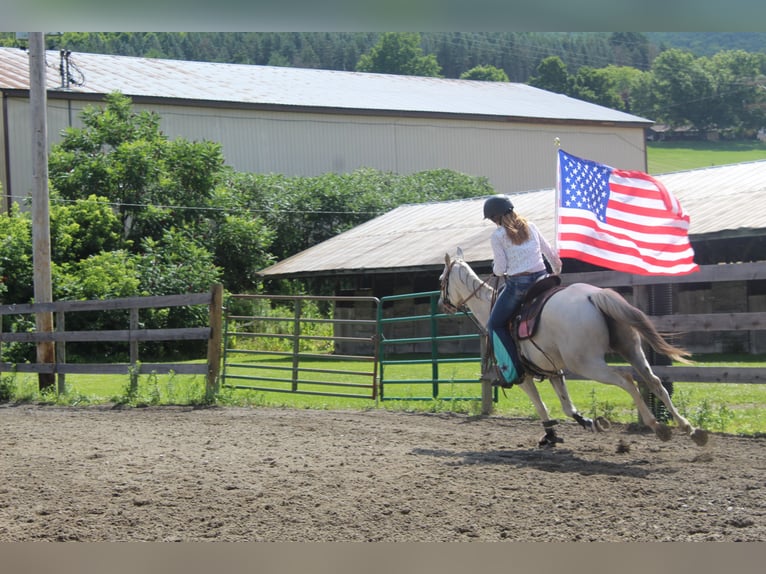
510,259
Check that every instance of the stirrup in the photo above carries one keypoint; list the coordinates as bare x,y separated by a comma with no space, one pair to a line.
503,384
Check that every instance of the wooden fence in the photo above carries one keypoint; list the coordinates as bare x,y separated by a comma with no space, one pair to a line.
132,335
689,323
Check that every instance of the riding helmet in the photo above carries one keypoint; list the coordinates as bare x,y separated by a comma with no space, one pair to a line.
496,206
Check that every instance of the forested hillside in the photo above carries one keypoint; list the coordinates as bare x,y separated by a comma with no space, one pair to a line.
518,53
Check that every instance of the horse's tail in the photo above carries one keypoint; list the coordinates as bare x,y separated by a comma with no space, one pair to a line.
613,305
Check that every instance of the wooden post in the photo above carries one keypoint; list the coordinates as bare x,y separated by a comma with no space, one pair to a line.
133,342
41,239
214,343
61,350
133,351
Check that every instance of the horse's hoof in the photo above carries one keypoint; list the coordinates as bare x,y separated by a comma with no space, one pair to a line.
549,441
663,432
601,424
700,437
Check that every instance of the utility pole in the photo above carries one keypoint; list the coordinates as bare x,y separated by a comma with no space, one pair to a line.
41,235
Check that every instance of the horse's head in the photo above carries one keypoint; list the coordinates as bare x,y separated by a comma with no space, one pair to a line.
444,300
462,289
444,281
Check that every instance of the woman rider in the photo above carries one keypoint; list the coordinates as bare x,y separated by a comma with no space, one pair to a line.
519,252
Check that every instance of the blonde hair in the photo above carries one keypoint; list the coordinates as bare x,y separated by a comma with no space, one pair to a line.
516,227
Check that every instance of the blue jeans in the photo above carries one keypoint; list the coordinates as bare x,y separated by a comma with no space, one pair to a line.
498,326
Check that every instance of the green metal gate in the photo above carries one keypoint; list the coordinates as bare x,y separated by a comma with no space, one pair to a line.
287,344
281,343
426,364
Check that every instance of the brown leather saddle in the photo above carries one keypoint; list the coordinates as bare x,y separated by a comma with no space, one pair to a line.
526,322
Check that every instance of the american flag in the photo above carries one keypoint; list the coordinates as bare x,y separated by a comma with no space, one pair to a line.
621,220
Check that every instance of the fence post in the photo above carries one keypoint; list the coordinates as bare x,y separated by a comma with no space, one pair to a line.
214,343
296,342
61,350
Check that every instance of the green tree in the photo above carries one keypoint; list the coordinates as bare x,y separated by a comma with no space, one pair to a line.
552,75
304,211
399,53
83,228
153,184
597,86
241,239
123,156
738,77
16,285
105,275
486,74
626,81
684,90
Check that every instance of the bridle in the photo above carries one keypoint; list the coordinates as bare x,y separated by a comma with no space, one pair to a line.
460,306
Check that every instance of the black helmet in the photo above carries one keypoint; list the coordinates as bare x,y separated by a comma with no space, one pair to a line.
497,206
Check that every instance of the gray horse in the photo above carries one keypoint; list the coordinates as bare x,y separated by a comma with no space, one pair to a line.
578,326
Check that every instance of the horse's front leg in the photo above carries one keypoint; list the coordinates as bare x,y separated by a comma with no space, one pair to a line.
550,438
559,386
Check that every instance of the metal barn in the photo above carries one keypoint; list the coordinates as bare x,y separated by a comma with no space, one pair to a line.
307,122
403,250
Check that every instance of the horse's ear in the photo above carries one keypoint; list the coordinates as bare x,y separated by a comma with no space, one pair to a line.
460,253
446,259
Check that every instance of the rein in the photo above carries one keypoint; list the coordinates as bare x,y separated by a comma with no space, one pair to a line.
460,306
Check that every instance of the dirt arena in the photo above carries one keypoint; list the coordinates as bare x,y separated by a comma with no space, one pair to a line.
239,474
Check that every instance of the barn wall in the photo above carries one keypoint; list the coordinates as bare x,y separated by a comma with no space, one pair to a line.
513,156
61,114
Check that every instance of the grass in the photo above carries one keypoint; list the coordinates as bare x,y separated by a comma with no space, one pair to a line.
667,157
730,408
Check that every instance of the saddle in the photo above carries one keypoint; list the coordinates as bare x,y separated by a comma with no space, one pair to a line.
526,322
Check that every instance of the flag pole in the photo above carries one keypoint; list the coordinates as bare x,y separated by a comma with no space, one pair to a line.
557,143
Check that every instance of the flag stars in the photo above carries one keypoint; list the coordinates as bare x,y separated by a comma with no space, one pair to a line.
587,187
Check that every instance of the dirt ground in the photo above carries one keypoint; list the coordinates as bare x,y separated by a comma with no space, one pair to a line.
241,474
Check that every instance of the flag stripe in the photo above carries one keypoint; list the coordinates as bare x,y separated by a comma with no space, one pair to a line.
656,232
587,234
608,260
668,256
622,220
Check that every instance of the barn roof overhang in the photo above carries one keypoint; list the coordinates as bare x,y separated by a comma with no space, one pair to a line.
94,97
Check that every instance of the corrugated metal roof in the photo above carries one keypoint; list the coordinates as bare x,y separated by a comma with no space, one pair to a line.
724,198
306,88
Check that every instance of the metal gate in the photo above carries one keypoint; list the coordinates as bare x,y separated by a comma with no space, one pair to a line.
283,343
428,380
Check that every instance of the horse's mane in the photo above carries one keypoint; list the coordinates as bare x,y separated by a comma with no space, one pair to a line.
473,281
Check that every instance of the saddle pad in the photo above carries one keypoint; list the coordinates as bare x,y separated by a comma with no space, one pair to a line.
529,315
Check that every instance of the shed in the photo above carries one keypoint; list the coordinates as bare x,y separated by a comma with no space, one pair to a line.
403,251
726,205
307,122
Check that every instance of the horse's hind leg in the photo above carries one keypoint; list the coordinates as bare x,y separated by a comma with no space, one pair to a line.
550,438
635,356
699,436
606,374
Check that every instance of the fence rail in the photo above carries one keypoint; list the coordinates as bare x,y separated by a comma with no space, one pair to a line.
272,352
697,322
212,333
